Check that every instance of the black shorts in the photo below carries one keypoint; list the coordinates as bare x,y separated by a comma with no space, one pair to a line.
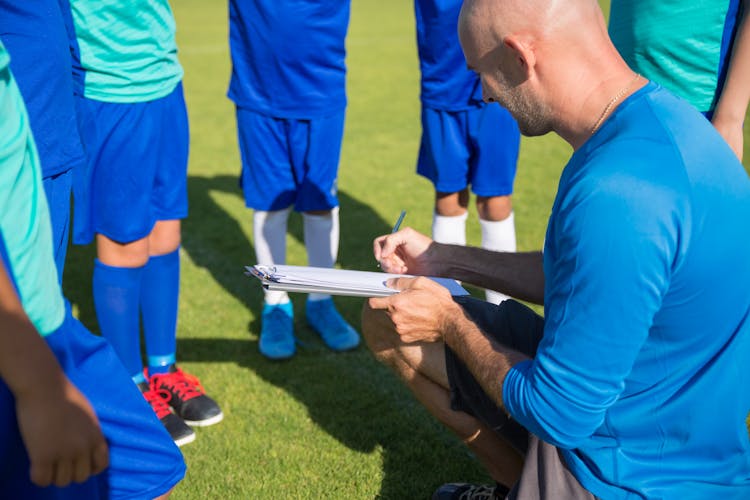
545,475
513,325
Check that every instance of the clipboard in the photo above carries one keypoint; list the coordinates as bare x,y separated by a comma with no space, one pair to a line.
305,279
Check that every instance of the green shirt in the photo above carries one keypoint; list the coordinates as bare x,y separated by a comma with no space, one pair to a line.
24,215
677,43
127,49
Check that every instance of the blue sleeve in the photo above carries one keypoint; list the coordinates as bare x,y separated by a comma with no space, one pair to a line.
611,247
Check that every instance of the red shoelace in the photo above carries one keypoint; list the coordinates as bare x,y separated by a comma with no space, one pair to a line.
158,400
186,386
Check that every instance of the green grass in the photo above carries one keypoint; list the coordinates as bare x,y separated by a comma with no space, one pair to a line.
322,425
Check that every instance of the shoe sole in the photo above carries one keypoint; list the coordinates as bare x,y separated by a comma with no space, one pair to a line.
185,440
206,422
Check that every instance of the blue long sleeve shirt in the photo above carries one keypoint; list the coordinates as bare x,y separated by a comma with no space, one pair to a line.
642,377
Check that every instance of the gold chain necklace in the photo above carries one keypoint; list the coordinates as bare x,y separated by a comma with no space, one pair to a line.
611,103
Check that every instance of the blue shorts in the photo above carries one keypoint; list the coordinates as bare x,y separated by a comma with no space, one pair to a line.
144,462
57,189
137,167
289,161
476,147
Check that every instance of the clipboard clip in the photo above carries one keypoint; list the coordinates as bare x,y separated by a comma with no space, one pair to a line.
265,273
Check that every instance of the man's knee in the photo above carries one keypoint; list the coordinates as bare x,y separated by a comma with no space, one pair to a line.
378,333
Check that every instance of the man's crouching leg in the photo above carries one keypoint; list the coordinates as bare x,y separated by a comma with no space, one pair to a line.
422,368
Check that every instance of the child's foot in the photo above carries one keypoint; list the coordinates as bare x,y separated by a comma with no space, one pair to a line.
187,397
277,331
337,334
180,432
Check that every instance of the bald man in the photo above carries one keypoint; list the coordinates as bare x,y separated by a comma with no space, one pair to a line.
633,384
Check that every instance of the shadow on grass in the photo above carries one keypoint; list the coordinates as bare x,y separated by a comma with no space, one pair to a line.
215,240
360,404
349,395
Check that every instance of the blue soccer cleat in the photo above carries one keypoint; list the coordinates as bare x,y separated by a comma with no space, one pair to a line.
277,331
337,334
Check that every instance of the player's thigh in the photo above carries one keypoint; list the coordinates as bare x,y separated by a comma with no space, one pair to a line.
444,149
114,196
316,161
495,141
266,179
169,193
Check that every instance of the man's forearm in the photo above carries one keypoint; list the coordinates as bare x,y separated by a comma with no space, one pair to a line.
518,274
488,361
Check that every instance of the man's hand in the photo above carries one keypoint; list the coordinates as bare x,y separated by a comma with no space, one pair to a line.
404,252
61,433
57,424
421,311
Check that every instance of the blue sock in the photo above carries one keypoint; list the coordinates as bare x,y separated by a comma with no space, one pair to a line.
116,297
160,290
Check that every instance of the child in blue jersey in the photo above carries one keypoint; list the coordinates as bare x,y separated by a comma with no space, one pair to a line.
634,383
131,197
34,35
288,85
464,140
67,407
698,50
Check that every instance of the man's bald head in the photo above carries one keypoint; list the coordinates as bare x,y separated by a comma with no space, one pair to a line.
536,57
538,18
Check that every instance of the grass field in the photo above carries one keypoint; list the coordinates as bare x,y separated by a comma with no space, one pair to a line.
322,425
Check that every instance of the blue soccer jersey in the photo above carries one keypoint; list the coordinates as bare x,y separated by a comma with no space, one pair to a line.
288,57
641,376
34,35
447,84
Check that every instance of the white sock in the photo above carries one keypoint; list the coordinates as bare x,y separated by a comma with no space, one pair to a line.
449,229
269,235
321,242
499,236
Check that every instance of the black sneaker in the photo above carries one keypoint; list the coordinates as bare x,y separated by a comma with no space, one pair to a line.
466,491
180,432
187,397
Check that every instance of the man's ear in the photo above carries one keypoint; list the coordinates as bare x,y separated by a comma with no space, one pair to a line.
521,57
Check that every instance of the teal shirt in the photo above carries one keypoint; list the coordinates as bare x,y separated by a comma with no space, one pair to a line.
126,48
24,215
682,45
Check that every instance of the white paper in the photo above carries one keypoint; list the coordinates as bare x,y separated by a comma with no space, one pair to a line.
334,281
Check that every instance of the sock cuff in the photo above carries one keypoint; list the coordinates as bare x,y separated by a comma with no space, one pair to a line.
161,360
508,221
457,218
263,215
275,297
130,274
313,217
165,257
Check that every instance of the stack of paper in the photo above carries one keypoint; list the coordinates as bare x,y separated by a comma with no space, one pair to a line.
334,281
